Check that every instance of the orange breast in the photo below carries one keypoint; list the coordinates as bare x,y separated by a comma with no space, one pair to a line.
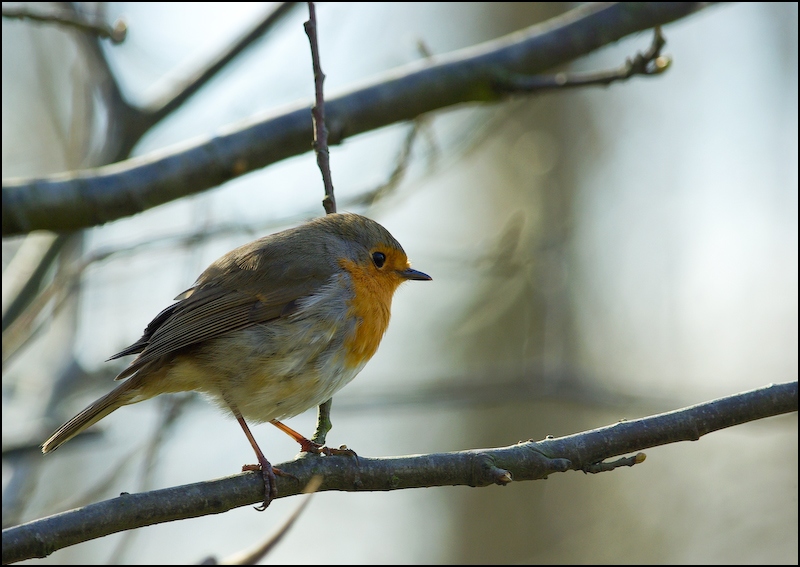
371,304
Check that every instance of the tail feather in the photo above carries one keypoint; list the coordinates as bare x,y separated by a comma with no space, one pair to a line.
122,395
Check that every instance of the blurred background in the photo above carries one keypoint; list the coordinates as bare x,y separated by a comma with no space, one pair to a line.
597,254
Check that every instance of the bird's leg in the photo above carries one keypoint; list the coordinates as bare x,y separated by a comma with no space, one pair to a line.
267,470
308,446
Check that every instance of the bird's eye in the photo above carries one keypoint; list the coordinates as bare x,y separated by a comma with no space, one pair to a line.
379,258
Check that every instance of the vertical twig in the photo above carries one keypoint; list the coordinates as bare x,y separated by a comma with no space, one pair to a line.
321,149
318,113
324,424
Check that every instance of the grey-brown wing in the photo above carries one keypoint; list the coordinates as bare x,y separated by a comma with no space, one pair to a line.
206,314
253,284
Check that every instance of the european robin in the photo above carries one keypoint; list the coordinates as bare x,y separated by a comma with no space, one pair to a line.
270,329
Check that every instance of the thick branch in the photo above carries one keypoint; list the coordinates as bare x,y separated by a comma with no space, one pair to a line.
78,200
481,467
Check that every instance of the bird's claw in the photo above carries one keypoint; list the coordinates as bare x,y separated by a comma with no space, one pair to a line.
319,449
268,473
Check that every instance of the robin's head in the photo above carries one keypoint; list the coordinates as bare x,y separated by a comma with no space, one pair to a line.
376,265
366,249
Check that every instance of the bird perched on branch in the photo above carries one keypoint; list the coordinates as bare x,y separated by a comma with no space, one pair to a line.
269,330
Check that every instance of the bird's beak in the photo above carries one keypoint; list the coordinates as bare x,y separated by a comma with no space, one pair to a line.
411,274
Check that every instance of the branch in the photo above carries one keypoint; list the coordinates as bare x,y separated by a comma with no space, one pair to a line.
324,424
318,113
480,467
648,64
372,196
87,198
69,18
165,106
30,289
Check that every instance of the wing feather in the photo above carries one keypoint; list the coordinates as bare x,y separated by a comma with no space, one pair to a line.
251,285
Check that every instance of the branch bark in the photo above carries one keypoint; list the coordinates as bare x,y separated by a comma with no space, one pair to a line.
527,460
77,200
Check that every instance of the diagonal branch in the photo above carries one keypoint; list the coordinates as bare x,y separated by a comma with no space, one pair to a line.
480,467
77,200
161,108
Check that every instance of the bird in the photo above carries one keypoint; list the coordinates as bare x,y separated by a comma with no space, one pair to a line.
269,330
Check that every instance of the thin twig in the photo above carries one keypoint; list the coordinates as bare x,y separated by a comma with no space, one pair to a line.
323,161
403,160
647,64
255,555
116,33
174,99
31,287
402,163
324,424
602,466
318,113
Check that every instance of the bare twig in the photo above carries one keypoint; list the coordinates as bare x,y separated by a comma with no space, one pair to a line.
529,460
323,161
324,424
254,556
647,64
402,162
173,100
28,291
318,113
116,33
595,468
